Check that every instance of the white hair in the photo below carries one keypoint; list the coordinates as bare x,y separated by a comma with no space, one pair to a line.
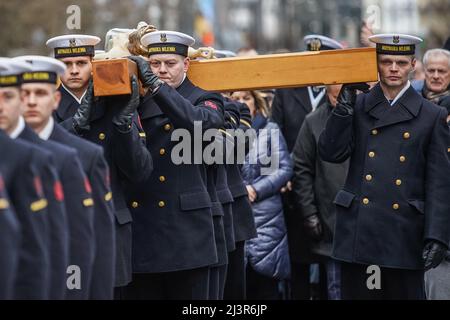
432,53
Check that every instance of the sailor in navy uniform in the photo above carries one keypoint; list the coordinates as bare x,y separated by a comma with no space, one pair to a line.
112,123
174,240
69,197
24,167
243,219
76,52
96,170
58,241
9,243
393,209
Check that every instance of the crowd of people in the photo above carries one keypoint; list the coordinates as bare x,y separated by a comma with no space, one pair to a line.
93,206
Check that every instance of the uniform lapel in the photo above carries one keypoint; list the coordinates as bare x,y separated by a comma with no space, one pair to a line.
405,109
68,105
98,111
148,108
411,101
187,90
55,133
376,104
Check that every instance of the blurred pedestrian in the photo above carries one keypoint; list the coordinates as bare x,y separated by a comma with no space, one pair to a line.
268,253
315,184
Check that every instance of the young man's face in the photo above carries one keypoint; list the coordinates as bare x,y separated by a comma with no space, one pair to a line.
437,74
78,72
39,100
394,70
170,68
10,108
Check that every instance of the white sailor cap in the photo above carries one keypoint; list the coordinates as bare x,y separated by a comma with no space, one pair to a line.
317,42
395,44
43,69
11,71
224,54
73,45
161,42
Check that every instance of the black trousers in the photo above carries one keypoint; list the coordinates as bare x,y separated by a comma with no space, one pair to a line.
217,277
118,293
396,284
178,285
300,284
261,287
235,282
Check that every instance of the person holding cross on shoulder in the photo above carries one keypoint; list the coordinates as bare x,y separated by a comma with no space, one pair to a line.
392,213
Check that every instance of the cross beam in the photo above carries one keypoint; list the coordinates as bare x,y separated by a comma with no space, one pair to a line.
285,70
111,77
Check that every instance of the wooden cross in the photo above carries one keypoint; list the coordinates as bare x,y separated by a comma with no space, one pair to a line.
111,77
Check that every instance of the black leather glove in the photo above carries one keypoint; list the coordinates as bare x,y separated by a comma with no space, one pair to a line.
347,97
146,75
433,254
313,226
124,118
81,119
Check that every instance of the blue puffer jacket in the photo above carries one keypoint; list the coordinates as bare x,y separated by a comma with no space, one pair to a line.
268,253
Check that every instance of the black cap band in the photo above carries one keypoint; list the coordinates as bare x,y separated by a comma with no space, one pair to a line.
10,81
165,48
394,49
68,52
39,76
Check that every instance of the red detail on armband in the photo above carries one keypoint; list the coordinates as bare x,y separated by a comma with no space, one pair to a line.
38,186
211,104
58,191
87,185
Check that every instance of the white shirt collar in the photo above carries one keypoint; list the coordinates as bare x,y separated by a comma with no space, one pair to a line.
74,96
400,94
48,129
315,101
18,130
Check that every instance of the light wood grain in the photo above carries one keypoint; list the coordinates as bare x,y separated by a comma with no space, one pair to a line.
285,70
112,77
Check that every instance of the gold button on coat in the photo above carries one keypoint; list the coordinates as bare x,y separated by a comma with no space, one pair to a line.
398,182
162,178
161,204
374,132
135,204
406,135
366,201
162,151
402,158
369,177
395,206
102,136
371,154
167,127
